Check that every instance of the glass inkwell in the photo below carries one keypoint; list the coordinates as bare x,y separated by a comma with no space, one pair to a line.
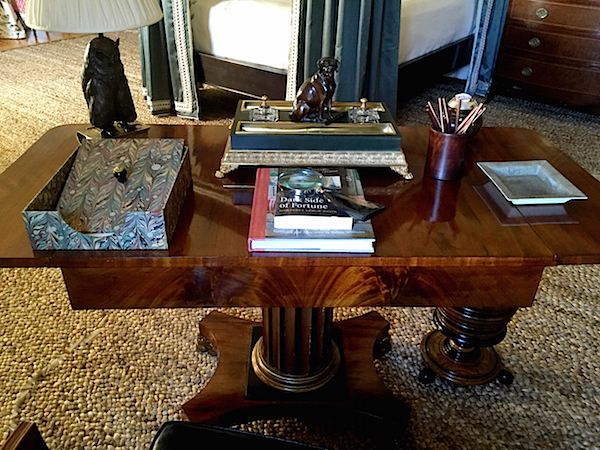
363,114
264,112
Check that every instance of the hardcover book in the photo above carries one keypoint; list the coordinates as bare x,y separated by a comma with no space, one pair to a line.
264,237
310,209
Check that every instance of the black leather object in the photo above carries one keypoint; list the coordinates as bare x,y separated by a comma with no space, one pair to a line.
196,436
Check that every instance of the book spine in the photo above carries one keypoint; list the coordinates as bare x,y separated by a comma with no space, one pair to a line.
260,206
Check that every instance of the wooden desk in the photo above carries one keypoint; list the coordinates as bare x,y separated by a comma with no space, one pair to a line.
438,244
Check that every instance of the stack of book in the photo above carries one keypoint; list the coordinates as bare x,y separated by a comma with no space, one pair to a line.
306,229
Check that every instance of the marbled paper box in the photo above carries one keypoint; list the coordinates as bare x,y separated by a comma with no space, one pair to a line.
85,207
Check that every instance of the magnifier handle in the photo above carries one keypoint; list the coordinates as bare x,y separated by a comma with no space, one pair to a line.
356,208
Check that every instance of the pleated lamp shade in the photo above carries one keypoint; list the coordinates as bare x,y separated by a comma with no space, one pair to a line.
91,16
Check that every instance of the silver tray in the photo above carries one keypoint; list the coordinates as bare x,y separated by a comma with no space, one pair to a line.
531,182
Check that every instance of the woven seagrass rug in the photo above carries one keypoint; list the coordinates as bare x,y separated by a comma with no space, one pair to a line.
108,379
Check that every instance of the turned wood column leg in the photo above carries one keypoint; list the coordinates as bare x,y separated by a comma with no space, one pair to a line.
462,349
296,352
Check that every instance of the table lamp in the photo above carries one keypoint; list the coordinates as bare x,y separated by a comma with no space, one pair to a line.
104,83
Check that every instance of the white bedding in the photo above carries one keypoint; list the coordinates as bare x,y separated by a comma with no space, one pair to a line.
232,29
255,32
428,25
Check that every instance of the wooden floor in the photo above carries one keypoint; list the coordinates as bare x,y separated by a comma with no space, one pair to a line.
38,37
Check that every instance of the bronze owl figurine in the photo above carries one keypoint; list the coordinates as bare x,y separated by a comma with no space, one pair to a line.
105,87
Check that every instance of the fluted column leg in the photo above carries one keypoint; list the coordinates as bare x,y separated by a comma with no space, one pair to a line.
296,352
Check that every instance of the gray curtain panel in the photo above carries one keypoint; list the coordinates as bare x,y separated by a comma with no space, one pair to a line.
363,35
488,34
167,57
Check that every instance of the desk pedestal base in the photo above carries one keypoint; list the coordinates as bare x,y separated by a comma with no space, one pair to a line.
364,399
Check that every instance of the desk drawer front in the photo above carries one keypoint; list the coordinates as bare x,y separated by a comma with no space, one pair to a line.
489,286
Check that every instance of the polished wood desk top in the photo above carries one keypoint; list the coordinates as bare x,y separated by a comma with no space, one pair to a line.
427,224
214,231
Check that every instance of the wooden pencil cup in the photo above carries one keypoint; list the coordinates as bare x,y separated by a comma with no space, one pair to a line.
438,199
445,155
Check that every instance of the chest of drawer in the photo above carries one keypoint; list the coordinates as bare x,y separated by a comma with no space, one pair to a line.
576,50
572,16
549,75
551,50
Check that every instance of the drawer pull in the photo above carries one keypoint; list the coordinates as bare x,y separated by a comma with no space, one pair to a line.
534,42
542,13
526,71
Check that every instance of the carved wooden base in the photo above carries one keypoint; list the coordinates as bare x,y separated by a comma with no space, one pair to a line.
461,351
234,158
364,402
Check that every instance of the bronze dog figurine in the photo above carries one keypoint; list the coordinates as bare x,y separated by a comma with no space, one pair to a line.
314,96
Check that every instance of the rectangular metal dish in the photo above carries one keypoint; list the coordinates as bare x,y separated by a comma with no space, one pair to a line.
531,182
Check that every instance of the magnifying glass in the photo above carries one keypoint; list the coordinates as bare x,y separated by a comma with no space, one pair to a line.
308,182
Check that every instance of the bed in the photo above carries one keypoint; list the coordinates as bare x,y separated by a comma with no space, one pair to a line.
259,47
228,55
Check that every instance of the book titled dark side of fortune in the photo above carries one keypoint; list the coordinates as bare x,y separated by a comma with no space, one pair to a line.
264,237
310,209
